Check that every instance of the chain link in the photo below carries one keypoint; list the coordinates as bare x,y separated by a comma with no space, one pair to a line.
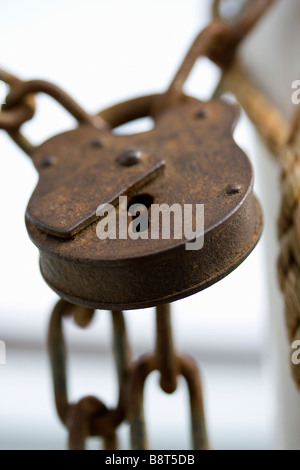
11,118
218,42
283,139
90,417
19,107
187,368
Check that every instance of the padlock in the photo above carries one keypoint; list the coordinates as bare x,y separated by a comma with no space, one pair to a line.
188,158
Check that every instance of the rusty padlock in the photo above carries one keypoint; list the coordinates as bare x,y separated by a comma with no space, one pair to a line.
189,157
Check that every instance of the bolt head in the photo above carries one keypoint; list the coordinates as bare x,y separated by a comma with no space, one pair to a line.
233,188
48,161
98,143
201,114
129,157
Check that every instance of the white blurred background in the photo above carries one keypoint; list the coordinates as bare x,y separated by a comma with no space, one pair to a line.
102,52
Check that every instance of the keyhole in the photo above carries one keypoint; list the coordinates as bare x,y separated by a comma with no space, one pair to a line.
138,208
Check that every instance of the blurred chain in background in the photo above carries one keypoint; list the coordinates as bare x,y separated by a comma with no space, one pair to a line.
90,417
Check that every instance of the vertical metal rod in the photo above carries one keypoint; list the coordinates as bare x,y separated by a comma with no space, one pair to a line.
165,349
122,354
138,431
140,371
111,442
121,347
57,353
190,372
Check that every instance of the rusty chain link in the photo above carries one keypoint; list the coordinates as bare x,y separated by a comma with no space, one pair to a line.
170,365
12,117
218,42
90,417
283,140
19,107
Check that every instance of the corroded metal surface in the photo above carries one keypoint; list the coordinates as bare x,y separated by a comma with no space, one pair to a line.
82,177
202,163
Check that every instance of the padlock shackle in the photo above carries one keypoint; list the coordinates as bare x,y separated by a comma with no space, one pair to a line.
135,108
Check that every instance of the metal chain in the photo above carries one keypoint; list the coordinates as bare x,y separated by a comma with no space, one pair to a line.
11,118
90,417
218,42
19,107
170,365
283,139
